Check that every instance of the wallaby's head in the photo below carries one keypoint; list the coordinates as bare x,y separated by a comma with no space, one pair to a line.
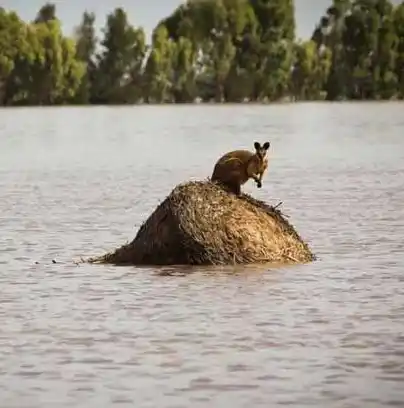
261,151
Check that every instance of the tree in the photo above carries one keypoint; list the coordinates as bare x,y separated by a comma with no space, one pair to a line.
46,13
311,70
11,44
384,57
329,33
362,36
221,50
370,42
398,22
159,73
46,71
119,74
184,87
277,32
86,43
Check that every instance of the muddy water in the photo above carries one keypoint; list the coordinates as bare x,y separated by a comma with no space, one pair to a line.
79,181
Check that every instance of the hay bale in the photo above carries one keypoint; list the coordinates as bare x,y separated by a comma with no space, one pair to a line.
200,223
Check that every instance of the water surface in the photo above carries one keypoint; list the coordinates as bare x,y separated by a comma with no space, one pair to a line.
79,182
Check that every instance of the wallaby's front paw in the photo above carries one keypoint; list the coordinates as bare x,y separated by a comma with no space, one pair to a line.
259,184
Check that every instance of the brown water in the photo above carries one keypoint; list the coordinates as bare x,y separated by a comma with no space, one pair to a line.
79,181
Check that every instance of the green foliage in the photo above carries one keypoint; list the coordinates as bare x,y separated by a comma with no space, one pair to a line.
40,65
86,43
120,61
311,70
46,13
214,50
398,23
184,60
11,44
364,38
159,72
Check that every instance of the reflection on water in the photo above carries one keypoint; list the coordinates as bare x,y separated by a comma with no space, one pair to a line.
79,182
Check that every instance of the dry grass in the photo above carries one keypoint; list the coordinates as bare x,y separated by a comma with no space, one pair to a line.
200,223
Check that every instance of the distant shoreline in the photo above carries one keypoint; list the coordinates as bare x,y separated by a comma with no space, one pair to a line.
205,53
210,104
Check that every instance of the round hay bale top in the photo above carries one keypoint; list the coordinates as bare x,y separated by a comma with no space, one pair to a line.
200,223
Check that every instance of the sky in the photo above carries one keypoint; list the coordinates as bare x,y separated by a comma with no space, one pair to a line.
147,13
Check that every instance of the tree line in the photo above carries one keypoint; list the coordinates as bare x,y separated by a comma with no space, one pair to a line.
212,50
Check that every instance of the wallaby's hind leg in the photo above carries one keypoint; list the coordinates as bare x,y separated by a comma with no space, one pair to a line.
232,187
235,188
229,187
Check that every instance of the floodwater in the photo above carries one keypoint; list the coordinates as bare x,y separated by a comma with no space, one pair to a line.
79,182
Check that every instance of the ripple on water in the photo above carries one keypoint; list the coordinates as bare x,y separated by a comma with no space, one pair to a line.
327,334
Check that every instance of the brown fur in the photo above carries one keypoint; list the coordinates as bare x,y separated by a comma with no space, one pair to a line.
235,168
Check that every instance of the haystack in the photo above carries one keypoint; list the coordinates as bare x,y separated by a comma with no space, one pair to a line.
200,223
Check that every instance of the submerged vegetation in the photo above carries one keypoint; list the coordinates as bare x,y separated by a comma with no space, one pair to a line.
200,223
212,50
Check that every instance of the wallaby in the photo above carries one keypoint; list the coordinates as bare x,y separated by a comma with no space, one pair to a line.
235,168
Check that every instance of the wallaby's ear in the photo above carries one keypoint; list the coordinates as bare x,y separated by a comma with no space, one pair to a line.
257,145
266,145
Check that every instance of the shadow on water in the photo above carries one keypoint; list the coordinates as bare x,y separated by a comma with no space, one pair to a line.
209,270
178,270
